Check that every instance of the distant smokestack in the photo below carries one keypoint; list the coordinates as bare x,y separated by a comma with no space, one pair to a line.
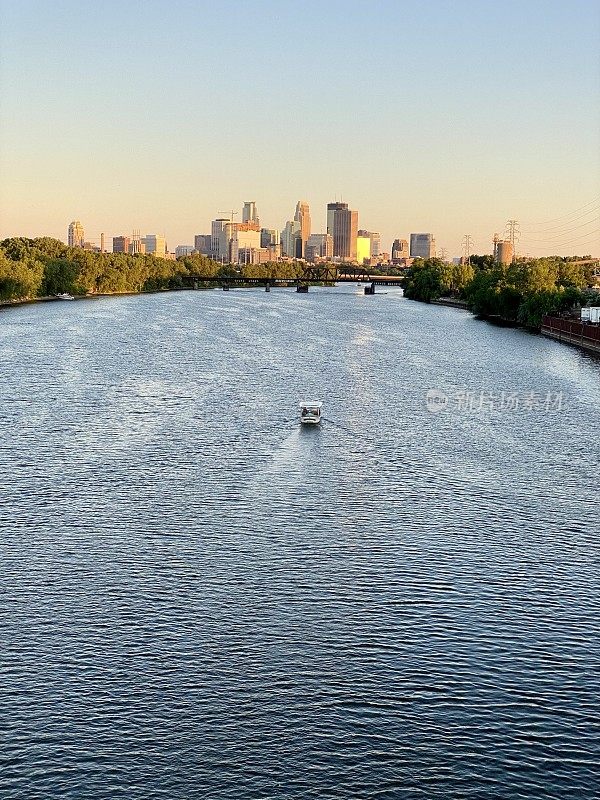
101,242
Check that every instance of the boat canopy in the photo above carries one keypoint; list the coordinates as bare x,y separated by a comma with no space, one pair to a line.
311,404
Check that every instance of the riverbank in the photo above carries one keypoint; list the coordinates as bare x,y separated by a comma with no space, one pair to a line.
573,332
568,331
53,299
450,301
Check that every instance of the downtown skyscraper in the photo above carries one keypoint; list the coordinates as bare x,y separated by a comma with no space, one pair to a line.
302,218
75,235
342,225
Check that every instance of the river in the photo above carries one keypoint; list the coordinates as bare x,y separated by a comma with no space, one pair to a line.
201,599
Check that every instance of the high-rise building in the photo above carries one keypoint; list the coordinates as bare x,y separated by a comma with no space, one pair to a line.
245,239
249,212
156,245
76,236
342,224
290,236
375,242
121,244
202,243
219,241
302,217
400,250
269,237
183,250
319,245
363,249
422,245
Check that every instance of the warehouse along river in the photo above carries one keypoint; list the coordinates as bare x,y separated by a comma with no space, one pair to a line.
200,599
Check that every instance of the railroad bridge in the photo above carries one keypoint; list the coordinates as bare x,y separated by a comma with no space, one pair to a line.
327,274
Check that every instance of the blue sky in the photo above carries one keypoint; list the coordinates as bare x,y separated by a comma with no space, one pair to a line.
449,117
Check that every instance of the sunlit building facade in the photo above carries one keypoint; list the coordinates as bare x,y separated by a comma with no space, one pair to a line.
302,218
156,245
363,249
75,234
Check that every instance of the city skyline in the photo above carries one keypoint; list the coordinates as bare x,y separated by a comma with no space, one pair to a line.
265,236
451,119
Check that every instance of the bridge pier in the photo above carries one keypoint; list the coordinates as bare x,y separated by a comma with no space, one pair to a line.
267,287
370,289
302,287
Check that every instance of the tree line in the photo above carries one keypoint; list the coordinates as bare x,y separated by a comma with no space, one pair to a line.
43,267
521,292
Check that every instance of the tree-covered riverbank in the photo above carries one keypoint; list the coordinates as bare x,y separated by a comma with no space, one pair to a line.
520,293
44,267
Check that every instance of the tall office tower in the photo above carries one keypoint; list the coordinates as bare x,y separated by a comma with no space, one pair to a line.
76,236
375,242
121,244
249,212
219,241
363,249
342,224
290,236
302,217
269,238
156,245
319,245
400,250
202,243
422,245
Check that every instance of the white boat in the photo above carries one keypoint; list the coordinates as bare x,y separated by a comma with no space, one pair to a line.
310,412
64,296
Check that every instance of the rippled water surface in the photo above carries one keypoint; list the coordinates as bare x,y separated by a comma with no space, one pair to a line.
200,599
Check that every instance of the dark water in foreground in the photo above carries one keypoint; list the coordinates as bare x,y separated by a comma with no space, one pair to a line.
198,599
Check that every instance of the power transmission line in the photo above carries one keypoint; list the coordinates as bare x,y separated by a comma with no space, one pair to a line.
562,234
570,226
563,216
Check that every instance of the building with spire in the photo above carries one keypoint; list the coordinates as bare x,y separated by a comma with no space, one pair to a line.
302,218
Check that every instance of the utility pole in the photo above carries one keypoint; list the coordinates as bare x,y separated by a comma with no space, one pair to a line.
467,245
514,234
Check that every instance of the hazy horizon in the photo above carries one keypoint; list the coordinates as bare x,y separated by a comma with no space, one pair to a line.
438,117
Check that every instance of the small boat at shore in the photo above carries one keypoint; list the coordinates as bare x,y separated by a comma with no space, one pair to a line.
310,412
64,296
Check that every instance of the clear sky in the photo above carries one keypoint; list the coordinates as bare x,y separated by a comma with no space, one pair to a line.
443,116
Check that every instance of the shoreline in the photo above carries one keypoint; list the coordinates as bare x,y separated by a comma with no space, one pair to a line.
566,331
53,299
